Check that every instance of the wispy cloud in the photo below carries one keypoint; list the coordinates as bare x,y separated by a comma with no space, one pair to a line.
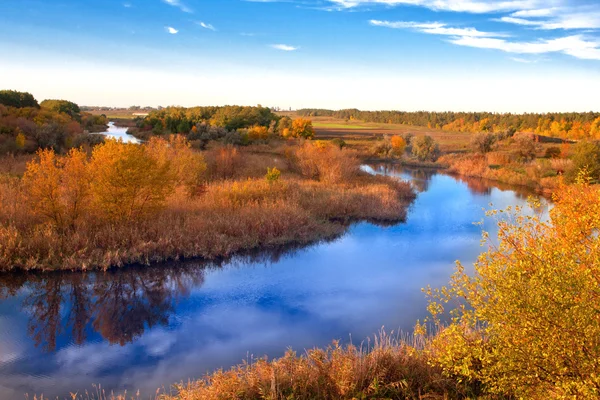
469,6
206,26
127,5
578,46
284,47
567,18
435,28
171,30
178,4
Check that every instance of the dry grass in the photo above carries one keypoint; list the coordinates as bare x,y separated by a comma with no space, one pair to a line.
226,216
389,368
540,174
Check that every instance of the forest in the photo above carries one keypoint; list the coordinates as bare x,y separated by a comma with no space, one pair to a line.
26,125
561,125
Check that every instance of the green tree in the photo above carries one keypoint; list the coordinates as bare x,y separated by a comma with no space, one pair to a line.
586,155
12,98
425,148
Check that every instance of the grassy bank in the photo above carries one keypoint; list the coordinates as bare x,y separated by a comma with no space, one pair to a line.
125,204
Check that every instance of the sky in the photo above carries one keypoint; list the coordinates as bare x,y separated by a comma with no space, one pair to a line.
434,55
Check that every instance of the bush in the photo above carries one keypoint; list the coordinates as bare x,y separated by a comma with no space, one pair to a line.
302,128
273,175
398,145
527,147
586,155
339,143
425,148
483,142
527,324
553,152
326,163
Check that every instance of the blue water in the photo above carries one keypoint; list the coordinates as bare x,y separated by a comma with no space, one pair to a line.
119,133
144,328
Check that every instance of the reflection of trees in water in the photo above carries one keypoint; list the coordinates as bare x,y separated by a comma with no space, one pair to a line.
119,304
420,177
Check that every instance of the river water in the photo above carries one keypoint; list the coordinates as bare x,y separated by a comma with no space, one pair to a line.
119,133
147,327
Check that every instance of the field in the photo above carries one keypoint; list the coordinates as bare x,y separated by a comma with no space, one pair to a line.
361,135
116,114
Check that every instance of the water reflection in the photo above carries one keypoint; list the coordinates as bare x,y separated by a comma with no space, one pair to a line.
141,328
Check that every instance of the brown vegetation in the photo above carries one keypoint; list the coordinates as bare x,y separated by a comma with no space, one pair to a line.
128,203
389,369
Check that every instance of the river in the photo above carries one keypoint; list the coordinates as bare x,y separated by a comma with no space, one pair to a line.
147,327
119,133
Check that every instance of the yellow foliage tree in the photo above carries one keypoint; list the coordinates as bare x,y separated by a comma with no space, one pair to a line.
595,129
129,181
528,321
303,128
186,166
258,132
20,140
58,188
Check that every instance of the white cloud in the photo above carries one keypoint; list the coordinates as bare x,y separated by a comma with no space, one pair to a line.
435,28
556,18
178,4
470,6
171,30
284,47
206,26
575,45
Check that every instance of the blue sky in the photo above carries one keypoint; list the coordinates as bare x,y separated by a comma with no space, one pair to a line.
497,55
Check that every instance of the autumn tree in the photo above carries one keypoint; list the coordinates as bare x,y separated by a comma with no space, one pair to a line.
128,181
398,145
58,187
186,166
425,148
526,323
586,156
285,123
483,142
303,128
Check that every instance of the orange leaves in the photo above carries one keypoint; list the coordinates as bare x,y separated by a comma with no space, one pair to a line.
120,182
398,145
57,187
303,128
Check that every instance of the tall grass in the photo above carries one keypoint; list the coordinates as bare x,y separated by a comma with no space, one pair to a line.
390,367
227,216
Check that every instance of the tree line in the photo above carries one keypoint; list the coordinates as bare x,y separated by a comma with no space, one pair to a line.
236,125
26,125
563,125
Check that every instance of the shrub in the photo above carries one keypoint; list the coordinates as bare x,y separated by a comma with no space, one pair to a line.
398,145
326,163
128,181
425,148
527,324
341,143
303,128
483,142
527,147
585,155
273,175
382,148
553,152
